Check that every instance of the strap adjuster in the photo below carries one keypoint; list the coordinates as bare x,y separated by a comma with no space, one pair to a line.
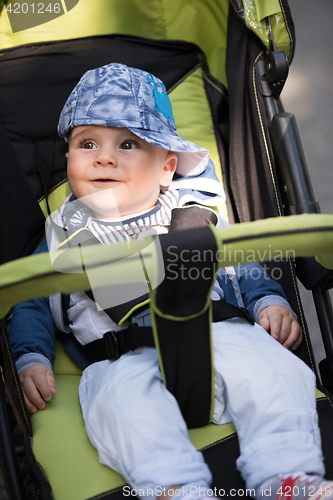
112,345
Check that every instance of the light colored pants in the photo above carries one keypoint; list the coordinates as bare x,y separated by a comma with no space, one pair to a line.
269,394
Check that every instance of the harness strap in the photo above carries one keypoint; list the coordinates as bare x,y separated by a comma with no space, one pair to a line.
115,344
191,216
227,311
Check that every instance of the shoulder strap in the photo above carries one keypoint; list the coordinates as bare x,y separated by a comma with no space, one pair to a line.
191,216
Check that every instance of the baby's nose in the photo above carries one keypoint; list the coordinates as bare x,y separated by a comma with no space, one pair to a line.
106,156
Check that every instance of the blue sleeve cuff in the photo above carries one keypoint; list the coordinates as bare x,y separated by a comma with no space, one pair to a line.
269,300
32,359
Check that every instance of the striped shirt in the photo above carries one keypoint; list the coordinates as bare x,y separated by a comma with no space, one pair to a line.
126,228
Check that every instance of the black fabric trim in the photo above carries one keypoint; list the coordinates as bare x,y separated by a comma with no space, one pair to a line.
289,26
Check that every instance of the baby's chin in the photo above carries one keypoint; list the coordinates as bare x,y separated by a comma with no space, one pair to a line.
103,203
105,206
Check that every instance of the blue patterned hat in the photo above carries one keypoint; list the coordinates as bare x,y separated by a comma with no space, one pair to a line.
116,95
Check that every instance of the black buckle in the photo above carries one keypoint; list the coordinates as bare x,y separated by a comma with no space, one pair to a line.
247,315
111,345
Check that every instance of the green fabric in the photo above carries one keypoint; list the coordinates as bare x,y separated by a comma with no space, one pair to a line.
203,22
326,260
265,8
256,12
63,365
320,395
61,446
55,197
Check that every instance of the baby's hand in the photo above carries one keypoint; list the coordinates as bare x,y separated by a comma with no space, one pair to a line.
38,386
283,326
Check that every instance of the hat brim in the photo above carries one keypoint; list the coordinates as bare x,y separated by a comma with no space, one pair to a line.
192,159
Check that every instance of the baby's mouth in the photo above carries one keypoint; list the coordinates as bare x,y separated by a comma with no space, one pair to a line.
105,180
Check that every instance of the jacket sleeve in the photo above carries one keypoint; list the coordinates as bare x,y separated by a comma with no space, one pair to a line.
32,331
258,290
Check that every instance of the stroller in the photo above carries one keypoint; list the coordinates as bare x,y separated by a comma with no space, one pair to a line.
224,67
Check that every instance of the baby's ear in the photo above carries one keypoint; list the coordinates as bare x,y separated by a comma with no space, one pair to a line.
170,165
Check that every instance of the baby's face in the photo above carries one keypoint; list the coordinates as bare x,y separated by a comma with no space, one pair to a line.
115,172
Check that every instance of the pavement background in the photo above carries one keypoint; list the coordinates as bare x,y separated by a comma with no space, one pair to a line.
309,95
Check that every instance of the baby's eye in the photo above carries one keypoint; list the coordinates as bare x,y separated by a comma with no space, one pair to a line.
128,145
88,145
